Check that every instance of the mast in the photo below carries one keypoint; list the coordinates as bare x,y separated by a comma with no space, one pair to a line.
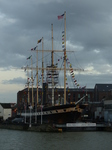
52,64
28,87
65,58
37,92
37,76
42,68
32,82
28,94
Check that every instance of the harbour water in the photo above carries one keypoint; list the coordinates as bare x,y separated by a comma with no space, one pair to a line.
24,140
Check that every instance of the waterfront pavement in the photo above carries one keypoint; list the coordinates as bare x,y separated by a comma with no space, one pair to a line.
59,128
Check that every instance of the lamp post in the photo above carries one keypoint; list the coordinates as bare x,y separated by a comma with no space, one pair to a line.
41,113
30,115
25,112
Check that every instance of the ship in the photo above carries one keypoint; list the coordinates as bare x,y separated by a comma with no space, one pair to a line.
49,112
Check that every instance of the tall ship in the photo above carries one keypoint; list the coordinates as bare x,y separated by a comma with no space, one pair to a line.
48,110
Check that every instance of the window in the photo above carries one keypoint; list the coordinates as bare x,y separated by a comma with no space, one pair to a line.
78,96
74,96
88,97
108,106
84,98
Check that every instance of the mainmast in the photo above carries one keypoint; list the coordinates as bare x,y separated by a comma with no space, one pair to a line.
65,58
52,65
42,69
32,81
36,102
37,79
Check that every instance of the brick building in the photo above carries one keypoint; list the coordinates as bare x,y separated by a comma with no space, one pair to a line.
72,95
102,91
99,93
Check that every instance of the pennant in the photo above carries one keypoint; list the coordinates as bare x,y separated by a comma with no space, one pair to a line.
83,87
60,17
70,65
39,41
29,57
71,71
33,48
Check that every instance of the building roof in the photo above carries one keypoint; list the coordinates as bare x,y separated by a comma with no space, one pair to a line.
59,89
5,105
103,87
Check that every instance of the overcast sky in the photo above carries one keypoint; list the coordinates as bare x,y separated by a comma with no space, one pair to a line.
88,34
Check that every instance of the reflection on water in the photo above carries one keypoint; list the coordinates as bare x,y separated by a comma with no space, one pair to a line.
24,140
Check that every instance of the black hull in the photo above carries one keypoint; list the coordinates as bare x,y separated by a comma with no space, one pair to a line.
61,118
60,114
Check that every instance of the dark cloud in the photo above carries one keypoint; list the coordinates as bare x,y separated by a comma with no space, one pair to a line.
88,25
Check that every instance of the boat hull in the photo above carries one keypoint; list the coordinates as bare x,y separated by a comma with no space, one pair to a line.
61,118
60,114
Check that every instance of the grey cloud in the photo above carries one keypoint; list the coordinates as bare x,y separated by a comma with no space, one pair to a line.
14,81
88,25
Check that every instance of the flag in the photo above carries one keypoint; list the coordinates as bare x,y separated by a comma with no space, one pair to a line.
33,48
39,41
60,17
83,87
29,57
